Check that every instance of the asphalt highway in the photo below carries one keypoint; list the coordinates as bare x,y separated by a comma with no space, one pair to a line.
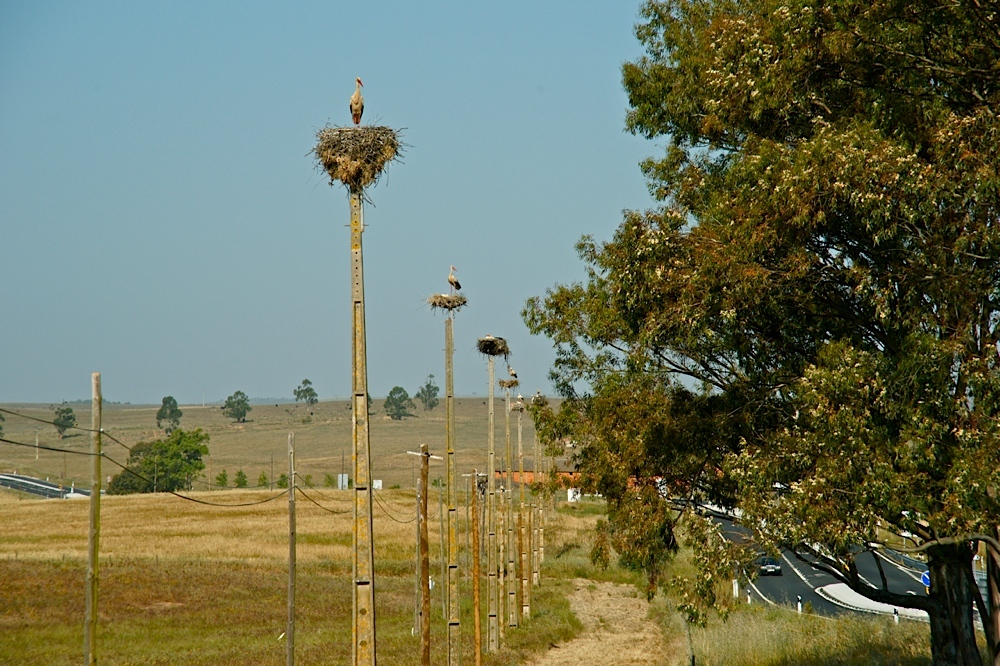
800,580
38,487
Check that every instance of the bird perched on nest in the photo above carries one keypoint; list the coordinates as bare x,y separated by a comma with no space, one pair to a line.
513,374
357,102
453,281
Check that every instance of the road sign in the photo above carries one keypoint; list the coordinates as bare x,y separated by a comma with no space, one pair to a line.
925,578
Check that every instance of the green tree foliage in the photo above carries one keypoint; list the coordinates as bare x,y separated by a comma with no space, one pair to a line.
64,419
427,394
241,479
306,393
282,481
237,407
823,272
168,464
262,481
168,417
222,479
398,404
329,481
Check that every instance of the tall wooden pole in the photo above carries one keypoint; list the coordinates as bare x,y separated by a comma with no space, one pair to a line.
425,560
453,615
363,649
94,536
443,534
513,608
477,629
536,517
493,598
524,566
290,632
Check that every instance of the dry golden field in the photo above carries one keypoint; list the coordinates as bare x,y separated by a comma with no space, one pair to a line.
189,583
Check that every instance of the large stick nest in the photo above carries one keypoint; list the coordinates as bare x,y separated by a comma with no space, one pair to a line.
492,346
450,302
509,383
356,156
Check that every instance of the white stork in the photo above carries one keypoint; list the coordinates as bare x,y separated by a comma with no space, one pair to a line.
453,281
513,374
357,102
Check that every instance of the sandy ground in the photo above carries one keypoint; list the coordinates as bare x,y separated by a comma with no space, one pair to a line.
616,630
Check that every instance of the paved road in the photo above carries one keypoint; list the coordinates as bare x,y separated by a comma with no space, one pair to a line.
825,593
39,487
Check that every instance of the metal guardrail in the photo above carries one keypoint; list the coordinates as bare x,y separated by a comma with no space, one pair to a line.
39,487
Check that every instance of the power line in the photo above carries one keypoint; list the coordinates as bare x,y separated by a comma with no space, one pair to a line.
386,511
194,499
47,448
72,427
304,494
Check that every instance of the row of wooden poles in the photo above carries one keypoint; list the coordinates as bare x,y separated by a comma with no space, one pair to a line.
508,585
514,539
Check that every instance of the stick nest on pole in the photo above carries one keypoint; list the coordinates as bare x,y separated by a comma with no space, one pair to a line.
356,156
491,346
509,383
449,302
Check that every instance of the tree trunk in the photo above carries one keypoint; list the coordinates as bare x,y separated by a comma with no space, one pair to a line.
993,597
953,632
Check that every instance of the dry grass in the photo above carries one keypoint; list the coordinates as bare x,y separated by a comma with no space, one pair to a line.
322,440
187,583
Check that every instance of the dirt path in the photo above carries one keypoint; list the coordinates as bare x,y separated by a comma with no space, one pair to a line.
615,629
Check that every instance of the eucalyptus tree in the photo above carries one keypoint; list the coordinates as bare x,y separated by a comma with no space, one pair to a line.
806,326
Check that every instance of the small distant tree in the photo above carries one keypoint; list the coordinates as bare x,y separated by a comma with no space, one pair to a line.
1,425
398,403
283,481
306,393
169,415
241,479
307,480
427,394
262,480
237,406
329,481
64,419
222,479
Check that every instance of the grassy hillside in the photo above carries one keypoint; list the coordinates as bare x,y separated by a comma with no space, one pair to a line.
322,439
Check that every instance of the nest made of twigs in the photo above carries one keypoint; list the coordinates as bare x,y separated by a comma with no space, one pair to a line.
356,156
449,302
492,346
509,383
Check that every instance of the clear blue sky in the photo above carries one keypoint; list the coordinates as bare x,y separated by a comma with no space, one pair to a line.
162,221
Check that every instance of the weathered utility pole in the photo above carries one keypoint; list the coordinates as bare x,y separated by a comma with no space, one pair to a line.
523,520
290,631
425,561
513,608
477,628
356,157
364,546
492,347
454,628
94,536
423,568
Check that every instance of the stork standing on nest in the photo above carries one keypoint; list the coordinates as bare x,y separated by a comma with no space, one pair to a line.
513,374
357,102
453,281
